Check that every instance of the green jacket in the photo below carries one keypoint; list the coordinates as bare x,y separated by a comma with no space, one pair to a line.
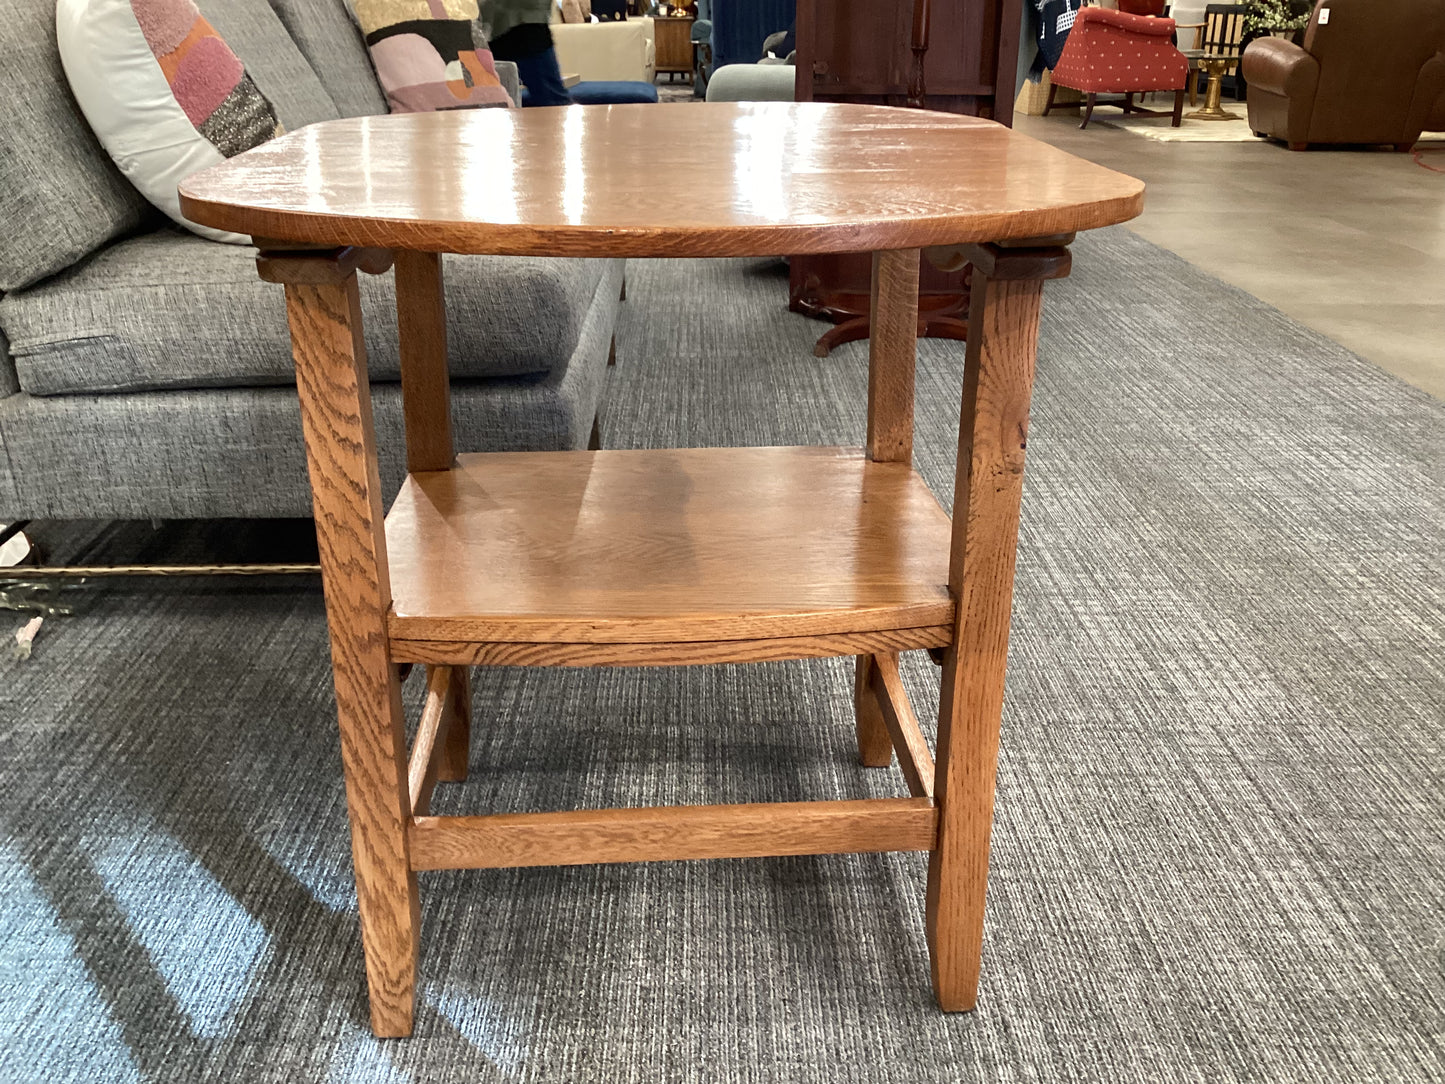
499,16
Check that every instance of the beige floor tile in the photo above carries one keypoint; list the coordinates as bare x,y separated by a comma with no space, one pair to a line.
1348,242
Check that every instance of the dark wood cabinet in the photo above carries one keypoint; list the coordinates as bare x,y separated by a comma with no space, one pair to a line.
958,56
672,39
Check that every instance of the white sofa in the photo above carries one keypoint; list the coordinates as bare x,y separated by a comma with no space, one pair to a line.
606,51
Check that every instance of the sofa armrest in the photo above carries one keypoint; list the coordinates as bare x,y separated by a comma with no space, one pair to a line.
510,79
1149,26
1280,67
1427,107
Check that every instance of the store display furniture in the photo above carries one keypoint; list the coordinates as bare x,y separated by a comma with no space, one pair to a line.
1369,73
958,57
663,557
141,376
1113,52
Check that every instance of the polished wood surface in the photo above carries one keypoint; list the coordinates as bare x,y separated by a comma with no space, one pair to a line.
875,748
892,355
687,653
905,737
452,765
993,434
764,178
669,545
331,380
672,556
421,767
958,57
421,314
661,834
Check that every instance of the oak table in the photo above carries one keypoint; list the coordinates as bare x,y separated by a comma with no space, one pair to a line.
621,558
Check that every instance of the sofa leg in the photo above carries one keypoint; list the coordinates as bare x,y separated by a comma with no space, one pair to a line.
1404,148
612,352
1298,146
1053,89
1088,109
623,295
1128,103
1178,108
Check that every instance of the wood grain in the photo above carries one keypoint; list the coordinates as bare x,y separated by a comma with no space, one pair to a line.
762,178
317,265
331,380
687,653
905,737
421,768
875,750
457,734
425,387
892,355
892,359
587,837
666,546
993,434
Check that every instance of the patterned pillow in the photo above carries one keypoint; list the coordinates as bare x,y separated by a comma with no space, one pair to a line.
164,94
425,56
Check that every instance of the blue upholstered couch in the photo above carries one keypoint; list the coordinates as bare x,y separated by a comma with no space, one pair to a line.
739,27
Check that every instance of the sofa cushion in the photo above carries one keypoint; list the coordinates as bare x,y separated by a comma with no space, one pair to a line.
330,40
169,310
60,196
162,91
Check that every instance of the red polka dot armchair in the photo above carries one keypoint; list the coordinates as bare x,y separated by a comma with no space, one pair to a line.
1113,52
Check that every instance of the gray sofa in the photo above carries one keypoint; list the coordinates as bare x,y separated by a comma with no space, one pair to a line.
146,373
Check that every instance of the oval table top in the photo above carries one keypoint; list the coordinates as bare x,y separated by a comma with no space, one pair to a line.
716,179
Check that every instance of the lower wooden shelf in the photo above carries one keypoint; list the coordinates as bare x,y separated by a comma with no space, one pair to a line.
666,557
589,837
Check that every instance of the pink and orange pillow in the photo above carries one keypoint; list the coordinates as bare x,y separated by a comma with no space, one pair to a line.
164,94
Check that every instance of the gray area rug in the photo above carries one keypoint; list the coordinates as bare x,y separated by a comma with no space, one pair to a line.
1220,844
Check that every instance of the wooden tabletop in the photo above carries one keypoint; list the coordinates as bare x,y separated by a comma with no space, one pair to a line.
715,179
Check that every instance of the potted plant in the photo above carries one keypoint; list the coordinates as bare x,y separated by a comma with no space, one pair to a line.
1282,18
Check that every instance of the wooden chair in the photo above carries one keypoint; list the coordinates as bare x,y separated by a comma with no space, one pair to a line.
1224,34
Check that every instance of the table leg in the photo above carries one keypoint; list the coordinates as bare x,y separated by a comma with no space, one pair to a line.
421,315
331,379
892,359
993,433
875,747
457,748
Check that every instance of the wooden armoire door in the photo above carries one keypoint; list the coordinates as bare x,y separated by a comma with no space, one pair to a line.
958,56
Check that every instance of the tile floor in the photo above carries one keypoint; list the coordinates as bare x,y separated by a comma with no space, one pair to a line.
1349,242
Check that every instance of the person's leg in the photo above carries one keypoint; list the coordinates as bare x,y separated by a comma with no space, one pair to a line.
543,79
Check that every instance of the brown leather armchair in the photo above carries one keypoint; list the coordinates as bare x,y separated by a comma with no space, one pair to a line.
1436,120
1369,72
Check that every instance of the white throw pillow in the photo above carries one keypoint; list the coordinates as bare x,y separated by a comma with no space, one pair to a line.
163,93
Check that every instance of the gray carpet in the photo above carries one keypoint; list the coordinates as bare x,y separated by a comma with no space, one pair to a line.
1219,847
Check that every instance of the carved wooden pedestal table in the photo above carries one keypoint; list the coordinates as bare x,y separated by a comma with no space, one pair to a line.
618,558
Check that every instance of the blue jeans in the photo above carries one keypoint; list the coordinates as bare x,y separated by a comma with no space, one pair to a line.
543,79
